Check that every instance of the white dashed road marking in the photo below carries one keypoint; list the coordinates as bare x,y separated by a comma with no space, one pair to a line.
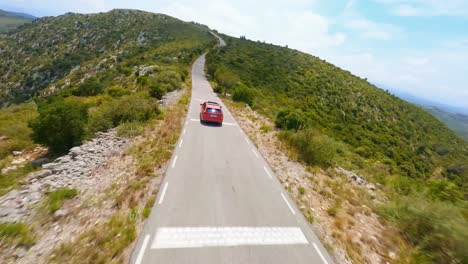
184,131
161,199
320,254
142,249
195,237
246,140
286,201
180,143
255,152
174,162
195,120
229,124
266,170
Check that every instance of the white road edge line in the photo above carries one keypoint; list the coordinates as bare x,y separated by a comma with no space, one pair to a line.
320,253
255,152
174,162
184,131
286,201
246,140
161,198
180,143
266,170
142,249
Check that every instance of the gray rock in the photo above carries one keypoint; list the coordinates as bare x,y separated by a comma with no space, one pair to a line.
16,153
49,166
39,162
76,151
20,252
41,174
61,213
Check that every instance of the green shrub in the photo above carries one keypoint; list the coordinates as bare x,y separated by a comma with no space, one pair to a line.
89,87
130,129
243,94
437,228
117,91
169,80
56,198
291,119
226,78
444,190
14,128
16,233
157,91
60,125
314,148
129,108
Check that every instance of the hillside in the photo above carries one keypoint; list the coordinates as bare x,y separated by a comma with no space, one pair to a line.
331,119
11,20
84,130
456,122
46,50
377,124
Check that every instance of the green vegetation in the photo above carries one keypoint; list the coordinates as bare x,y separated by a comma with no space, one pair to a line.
128,108
90,87
330,117
104,243
56,198
16,233
60,125
15,134
11,179
314,148
438,229
243,94
83,55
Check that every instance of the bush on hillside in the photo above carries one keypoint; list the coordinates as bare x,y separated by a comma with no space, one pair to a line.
129,108
226,78
314,148
291,119
169,80
157,91
437,228
243,94
60,125
117,91
90,87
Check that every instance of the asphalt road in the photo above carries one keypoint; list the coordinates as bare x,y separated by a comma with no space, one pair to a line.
220,202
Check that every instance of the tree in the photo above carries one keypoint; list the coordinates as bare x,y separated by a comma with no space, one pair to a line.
157,91
291,119
90,87
226,78
243,94
60,125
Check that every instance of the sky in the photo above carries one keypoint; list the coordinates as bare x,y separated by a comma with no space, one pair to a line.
419,47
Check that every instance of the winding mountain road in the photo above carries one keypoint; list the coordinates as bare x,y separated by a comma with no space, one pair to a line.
220,202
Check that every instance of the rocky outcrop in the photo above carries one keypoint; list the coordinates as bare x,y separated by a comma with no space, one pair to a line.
73,170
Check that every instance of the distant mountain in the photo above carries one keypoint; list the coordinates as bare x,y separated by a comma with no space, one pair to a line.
422,101
457,122
456,118
10,20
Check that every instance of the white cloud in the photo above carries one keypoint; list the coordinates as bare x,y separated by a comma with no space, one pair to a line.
431,74
372,30
427,7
